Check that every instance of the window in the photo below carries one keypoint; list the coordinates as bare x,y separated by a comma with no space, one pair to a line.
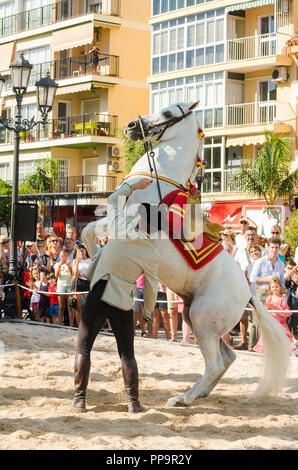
267,98
40,59
201,37
162,6
38,13
213,155
207,88
7,11
4,171
28,168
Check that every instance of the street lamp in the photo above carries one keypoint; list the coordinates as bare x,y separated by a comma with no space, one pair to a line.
20,71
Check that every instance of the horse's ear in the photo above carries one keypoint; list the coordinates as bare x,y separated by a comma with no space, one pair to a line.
194,105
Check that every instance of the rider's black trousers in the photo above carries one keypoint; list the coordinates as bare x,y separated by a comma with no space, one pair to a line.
93,319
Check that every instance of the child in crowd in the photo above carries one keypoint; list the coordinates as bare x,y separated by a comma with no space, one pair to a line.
34,284
54,304
277,301
44,301
63,274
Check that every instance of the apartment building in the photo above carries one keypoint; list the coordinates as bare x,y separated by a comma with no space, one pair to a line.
233,57
91,102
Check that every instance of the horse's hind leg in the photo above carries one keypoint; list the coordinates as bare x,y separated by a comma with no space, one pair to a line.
218,357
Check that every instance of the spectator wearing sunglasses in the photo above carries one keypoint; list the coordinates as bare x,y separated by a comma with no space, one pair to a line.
276,233
53,250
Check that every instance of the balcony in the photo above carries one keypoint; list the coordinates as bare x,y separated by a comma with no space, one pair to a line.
258,113
99,125
71,67
85,184
229,184
54,13
263,113
271,47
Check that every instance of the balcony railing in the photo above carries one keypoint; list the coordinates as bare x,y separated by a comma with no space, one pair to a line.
72,67
55,12
247,114
80,65
229,183
73,126
257,46
85,184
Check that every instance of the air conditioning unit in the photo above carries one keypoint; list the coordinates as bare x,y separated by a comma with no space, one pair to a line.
280,74
115,165
114,151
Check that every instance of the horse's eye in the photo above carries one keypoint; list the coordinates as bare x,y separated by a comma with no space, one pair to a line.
167,114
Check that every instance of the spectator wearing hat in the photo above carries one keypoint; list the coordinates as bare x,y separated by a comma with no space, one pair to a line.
240,239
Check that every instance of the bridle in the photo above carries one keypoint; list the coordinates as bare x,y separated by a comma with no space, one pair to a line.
171,122
148,145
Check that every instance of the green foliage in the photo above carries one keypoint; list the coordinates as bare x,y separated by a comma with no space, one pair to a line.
43,180
291,232
269,176
5,204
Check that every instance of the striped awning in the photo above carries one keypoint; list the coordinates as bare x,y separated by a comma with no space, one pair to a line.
245,140
246,5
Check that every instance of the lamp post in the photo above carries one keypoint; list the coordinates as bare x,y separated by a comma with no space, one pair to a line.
20,71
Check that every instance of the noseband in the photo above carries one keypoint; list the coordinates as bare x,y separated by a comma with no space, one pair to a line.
148,145
170,122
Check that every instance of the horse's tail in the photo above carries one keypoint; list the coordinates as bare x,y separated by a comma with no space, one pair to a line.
276,349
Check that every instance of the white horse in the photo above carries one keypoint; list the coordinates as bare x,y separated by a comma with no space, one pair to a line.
216,295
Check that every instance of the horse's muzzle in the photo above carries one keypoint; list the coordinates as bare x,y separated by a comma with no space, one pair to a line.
133,130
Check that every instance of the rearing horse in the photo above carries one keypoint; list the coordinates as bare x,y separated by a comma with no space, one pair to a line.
216,295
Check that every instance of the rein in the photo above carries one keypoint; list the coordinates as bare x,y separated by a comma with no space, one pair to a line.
148,145
163,178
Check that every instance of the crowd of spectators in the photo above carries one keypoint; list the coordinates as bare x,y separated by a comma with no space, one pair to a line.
272,277
56,268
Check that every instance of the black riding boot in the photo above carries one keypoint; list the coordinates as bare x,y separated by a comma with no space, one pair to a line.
82,369
131,383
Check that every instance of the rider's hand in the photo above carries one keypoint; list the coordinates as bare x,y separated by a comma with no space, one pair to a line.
141,184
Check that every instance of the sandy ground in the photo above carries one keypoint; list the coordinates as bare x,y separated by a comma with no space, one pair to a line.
37,383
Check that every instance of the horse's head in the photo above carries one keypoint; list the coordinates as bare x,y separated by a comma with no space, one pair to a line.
160,126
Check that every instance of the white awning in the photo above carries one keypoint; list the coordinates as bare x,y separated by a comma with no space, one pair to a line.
6,57
245,140
246,5
73,37
65,90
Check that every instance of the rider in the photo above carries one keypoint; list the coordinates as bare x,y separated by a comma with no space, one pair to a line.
113,274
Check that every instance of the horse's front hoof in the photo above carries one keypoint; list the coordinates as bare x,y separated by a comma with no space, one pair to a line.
176,401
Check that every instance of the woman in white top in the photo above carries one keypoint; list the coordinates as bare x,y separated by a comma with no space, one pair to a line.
80,264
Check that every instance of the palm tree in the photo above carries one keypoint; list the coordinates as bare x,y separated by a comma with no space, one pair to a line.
270,176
